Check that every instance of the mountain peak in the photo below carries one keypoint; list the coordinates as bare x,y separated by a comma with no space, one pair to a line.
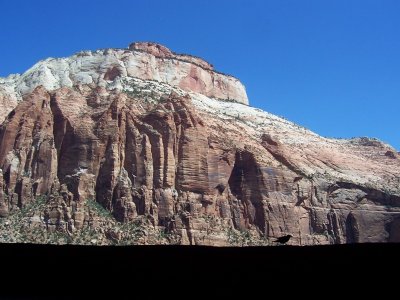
161,51
110,67
151,47
140,146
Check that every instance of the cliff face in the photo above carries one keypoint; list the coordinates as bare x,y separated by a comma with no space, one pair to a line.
111,68
157,163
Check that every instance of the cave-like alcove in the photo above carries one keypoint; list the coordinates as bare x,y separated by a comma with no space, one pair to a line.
247,185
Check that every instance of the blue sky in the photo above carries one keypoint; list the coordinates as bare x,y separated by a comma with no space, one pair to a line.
331,66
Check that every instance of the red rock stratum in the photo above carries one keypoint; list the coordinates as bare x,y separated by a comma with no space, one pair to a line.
146,146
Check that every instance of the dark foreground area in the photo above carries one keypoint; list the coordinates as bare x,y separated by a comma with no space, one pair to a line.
34,269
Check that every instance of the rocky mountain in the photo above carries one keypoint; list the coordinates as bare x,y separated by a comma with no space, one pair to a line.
146,146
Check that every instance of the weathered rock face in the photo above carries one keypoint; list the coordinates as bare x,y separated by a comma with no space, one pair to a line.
112,68
28,157
161,51
8,101
199,170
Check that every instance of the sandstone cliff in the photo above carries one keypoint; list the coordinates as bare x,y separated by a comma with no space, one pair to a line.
141,146
109,67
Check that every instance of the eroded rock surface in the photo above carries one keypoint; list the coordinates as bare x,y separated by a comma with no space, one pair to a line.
114,68
159,163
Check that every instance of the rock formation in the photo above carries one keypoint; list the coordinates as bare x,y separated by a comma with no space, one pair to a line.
141,146
114,68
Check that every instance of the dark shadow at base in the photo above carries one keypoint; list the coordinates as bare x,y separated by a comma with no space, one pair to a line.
35,269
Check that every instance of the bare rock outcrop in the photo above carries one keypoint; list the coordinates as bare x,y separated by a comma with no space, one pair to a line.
8,100
169,164
114,68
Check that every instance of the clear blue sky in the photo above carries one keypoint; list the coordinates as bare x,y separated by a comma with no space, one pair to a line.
331,66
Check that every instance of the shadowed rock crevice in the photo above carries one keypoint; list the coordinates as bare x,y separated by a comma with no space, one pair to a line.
247,186
112,73
394,231
352,230
370,194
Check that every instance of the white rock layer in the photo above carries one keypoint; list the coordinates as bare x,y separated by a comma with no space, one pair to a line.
107,68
